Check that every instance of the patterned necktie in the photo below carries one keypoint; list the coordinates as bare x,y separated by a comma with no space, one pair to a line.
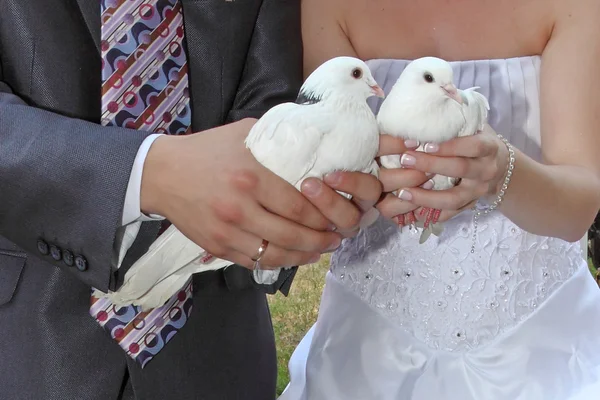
145,87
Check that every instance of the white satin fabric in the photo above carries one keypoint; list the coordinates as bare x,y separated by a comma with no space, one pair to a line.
355,353
517,319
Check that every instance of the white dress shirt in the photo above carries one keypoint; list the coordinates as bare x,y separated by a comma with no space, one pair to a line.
132,210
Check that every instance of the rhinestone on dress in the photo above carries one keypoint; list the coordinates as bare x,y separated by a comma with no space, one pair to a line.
450,289
441,304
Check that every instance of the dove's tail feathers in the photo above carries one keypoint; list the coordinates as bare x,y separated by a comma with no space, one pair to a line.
265,276
138,293
435,229
169,253
425,233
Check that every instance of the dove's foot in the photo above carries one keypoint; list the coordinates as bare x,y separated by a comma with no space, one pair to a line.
401,221
410,218
432,216
436,216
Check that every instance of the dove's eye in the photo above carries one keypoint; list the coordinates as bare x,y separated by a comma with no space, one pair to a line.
428,77
357,73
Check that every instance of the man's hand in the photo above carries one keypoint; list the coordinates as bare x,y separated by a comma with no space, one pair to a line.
345,215
214,191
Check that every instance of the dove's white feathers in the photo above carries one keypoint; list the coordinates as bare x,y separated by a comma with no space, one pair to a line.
475,109
424,105
289,146
151,287
420,110
332,129
331,139
423,111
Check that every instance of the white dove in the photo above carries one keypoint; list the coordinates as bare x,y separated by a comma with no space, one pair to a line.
425,105
329,128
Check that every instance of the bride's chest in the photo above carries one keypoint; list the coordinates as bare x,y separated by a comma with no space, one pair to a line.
450,29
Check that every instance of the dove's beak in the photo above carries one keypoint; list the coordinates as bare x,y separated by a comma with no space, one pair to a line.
377,91
452,92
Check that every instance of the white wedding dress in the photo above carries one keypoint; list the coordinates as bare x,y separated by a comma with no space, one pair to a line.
518,319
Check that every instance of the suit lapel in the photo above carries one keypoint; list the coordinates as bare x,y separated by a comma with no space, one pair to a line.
90,9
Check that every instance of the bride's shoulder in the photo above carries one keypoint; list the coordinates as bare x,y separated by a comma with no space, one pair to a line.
324,32
566,11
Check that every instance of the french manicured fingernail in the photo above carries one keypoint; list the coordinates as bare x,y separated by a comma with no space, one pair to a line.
410,143
407,160
405,195
431,148
312,187
429,173
333,179
314,259
332,228
428,185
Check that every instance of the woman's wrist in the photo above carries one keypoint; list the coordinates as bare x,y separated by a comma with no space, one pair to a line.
505,161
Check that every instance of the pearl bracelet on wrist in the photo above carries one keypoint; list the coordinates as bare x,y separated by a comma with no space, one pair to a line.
496,203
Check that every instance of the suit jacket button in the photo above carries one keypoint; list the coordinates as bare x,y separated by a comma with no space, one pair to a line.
55,253
42,247
68,258
81,263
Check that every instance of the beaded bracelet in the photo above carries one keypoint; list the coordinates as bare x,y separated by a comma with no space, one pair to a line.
496,203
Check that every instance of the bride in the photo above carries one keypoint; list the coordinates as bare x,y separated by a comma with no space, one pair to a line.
519,316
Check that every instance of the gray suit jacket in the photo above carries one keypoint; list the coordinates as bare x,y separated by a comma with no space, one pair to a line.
63,179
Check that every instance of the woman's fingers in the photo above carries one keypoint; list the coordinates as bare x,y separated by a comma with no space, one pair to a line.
482,169
389,145
398,178
455,198
390,206
474,146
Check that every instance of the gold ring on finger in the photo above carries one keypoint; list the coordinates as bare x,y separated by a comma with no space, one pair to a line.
261,251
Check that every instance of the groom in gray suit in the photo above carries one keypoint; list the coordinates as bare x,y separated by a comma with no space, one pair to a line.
85,183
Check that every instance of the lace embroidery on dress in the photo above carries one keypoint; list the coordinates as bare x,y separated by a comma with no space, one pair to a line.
444,295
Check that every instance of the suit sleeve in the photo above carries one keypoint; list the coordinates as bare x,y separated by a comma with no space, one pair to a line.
273,70
62,187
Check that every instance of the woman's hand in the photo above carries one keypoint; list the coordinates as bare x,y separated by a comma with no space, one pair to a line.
480,161
390,206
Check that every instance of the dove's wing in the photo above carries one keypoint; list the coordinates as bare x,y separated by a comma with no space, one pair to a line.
475,108
285,140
